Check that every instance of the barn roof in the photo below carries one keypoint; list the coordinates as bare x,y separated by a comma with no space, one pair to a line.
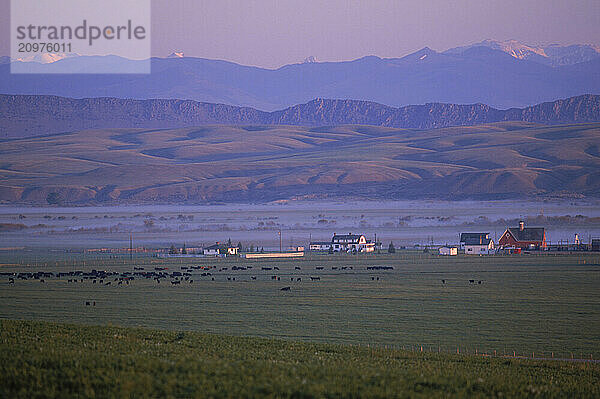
527,234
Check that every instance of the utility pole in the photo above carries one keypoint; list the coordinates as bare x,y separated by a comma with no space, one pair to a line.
280,249
130,247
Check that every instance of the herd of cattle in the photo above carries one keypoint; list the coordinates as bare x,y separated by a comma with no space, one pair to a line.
159,274
185,275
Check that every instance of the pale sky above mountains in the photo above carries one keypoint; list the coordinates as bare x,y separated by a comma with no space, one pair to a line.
271,33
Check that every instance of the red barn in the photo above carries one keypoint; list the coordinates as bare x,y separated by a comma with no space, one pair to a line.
524,237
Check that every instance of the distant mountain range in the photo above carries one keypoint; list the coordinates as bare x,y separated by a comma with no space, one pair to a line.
500,74
24,116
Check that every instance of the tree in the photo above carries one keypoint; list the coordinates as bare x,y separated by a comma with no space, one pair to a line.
173,250
54,198
262,250
184,249
330,249
240,247
251,247
229,244
391,248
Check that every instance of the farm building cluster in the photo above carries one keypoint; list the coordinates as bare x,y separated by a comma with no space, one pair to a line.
514,240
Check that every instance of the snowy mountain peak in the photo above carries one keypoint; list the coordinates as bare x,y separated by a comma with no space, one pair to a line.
310,60
176,54
553,55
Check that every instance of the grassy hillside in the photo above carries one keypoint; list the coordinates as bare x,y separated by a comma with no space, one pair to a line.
262,163
56,360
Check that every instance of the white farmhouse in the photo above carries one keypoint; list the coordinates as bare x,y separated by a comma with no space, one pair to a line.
481,245
351,243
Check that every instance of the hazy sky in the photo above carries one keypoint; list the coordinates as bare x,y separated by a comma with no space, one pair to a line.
272,33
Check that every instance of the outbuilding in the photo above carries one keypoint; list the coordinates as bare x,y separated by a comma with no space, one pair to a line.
448,251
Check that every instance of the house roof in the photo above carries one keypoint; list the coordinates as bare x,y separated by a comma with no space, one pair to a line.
346,237
527,234
473,241
472,238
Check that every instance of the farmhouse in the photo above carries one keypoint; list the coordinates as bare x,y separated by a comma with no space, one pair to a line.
220,250
477,243
351,243
524,237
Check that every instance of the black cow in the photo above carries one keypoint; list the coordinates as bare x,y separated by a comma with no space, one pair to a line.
286,289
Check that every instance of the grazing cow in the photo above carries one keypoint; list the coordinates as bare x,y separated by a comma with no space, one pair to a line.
276,268
291,279
120,282
108,283
253,277
334,268
443,281
43,281
87,303
315,278
299,279
319,268
286,289
471,281
191,281
175,282
479,282
297,267
228,278
101,281
234,279
93,281
213,279
373,278
11,280
377,278
94,303
273,277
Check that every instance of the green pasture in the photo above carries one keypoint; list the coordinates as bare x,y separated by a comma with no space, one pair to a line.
534,306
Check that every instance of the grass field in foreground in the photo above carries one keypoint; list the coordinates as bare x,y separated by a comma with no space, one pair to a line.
40,359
